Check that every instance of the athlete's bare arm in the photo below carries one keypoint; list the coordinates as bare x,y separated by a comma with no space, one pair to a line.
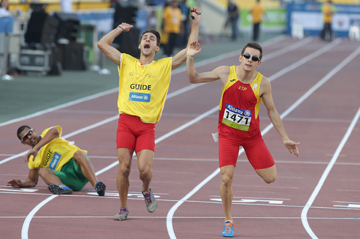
221,72
31,181
180,57
50,135
265,93
105,43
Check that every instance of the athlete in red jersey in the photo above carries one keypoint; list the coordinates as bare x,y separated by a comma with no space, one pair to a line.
243,89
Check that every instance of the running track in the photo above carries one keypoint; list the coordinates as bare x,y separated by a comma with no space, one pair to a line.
316,90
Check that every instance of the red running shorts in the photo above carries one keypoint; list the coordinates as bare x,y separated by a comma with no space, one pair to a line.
255,148
132,133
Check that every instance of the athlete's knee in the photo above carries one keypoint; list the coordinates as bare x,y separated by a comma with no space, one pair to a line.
145,173
124,170
79,157
226,179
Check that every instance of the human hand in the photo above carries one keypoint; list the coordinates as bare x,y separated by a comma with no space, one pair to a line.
292,147
195,13
15,183
125,27
32,152
193,49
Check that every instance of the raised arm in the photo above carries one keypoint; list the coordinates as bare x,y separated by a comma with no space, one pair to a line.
180,57
220,72
275,117
105,43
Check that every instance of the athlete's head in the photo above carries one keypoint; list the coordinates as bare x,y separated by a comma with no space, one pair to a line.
251,56
253,45
149,42
27,135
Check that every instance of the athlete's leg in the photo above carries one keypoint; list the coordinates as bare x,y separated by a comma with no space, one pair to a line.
228,154
268,174
260,158
226,192
86,166
122,179
49,176
145,160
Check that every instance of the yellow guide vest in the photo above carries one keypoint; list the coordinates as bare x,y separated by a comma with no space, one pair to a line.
55,154
143,88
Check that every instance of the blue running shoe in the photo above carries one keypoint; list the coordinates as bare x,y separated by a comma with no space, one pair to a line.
60,189
100,188
228,229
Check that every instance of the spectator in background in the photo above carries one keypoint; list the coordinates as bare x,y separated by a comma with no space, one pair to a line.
185,19
172,25
4,8
328,10
256,12
233,18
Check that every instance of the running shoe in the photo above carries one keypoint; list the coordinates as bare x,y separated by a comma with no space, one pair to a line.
100,188
122,215
150,201
228,229
60,189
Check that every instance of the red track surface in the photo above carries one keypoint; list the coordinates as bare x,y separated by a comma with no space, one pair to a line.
185,159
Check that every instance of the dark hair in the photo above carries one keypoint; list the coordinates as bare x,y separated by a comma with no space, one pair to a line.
253,45
156,33
20,129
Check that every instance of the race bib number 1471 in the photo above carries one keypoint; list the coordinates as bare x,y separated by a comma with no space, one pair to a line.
237,118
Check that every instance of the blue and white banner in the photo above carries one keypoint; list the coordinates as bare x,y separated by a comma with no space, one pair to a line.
309,15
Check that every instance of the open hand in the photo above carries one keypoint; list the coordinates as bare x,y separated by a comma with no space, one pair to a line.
32,152
193,49
292,147
126,27
15,183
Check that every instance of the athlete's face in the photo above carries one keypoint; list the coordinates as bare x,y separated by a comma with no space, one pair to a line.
248,64
29,137
148,44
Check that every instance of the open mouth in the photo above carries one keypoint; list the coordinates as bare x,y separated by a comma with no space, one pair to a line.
147,46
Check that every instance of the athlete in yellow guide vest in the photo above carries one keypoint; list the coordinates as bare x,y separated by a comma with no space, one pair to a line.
61,164
143,85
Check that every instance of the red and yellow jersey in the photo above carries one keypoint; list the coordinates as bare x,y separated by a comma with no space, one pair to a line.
143,88
55,154
239,107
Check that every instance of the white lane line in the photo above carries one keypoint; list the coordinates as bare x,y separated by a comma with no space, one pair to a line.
25,227
290,109
71,103
305,210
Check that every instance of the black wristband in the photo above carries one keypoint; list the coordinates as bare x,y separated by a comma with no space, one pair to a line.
121,27
192,17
